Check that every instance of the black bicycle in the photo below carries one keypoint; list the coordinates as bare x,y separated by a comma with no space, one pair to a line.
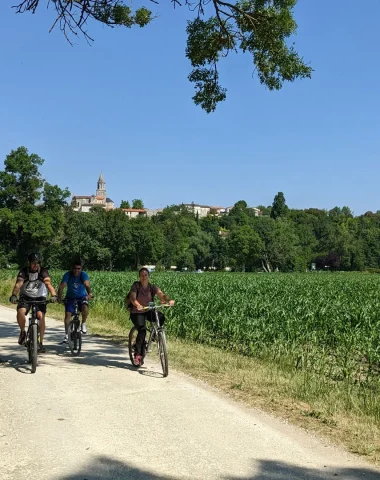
33,334
74,334
155,335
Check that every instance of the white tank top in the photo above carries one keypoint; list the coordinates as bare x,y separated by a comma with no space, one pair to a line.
33,286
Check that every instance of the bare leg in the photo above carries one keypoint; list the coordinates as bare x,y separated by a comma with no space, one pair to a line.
21,318
67,321
84,313
41,317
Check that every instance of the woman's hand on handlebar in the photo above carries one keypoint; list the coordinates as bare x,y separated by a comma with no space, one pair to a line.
170,303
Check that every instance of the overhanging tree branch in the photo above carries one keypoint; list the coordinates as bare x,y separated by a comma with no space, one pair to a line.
258,27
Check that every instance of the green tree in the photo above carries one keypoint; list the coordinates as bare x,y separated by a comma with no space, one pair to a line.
125,204
281,244
200,245
147,242
31,210
21,181
83,238
238,215
186,260
279,207
138,203
369,236
265,210
244,247
304,226
261,28
118,238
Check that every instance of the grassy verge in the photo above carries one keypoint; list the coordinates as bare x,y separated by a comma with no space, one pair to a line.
307,400
298,397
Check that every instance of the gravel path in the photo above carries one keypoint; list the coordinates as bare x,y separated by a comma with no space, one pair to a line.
95,417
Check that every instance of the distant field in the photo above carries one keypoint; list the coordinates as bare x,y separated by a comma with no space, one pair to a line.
325,323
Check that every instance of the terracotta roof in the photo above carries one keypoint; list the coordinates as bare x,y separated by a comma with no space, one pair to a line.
99,198
82,196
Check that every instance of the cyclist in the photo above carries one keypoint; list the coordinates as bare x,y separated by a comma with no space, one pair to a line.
140,294
33,283
78,290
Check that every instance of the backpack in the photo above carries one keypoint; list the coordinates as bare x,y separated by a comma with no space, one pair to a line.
128,303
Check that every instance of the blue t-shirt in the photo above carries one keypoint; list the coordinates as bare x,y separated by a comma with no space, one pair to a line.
75,284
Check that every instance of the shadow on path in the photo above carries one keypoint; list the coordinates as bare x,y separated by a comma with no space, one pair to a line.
105,468
96,351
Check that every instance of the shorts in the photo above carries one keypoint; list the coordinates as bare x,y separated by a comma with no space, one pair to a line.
70,304
23,303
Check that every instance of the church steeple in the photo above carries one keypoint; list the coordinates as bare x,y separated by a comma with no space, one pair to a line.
101,190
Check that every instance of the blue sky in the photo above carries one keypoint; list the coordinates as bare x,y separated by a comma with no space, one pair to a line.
123,106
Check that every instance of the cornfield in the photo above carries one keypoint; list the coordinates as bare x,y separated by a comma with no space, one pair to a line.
323,323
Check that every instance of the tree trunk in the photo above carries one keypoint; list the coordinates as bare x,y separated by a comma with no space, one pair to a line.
266,265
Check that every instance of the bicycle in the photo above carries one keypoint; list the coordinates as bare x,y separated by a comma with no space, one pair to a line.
33,333
156,334
74,334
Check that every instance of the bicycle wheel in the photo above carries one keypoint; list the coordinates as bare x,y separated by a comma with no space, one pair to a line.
163,352
33,347
74,337
132,345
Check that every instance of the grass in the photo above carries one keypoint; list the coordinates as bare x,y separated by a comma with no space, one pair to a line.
334,409
302,399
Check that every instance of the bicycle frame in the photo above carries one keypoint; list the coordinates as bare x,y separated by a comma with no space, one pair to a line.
33,320
31,344
156,327
76,315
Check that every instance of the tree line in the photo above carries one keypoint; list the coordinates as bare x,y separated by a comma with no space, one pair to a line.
37,215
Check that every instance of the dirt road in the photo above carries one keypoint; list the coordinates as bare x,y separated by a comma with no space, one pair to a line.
95,417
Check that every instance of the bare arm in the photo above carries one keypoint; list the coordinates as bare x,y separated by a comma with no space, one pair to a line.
17,286
61,287
163,297
47,282
87,287
134,301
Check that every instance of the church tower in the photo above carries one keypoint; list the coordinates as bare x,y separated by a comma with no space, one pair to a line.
101,190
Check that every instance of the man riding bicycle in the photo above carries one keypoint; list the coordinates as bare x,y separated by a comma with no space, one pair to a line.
78,291
33,283
140,295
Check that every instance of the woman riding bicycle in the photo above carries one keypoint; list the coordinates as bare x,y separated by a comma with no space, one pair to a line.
140,294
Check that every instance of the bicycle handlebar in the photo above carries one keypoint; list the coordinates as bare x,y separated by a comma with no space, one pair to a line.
77,299
155,306
38,302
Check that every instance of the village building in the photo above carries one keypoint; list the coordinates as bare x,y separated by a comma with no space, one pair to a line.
83,203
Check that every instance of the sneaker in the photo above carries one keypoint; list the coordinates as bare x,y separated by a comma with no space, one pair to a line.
84,328
22,337
41,348
138,360
66,339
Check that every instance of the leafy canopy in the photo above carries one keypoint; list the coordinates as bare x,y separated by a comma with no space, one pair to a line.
260,28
